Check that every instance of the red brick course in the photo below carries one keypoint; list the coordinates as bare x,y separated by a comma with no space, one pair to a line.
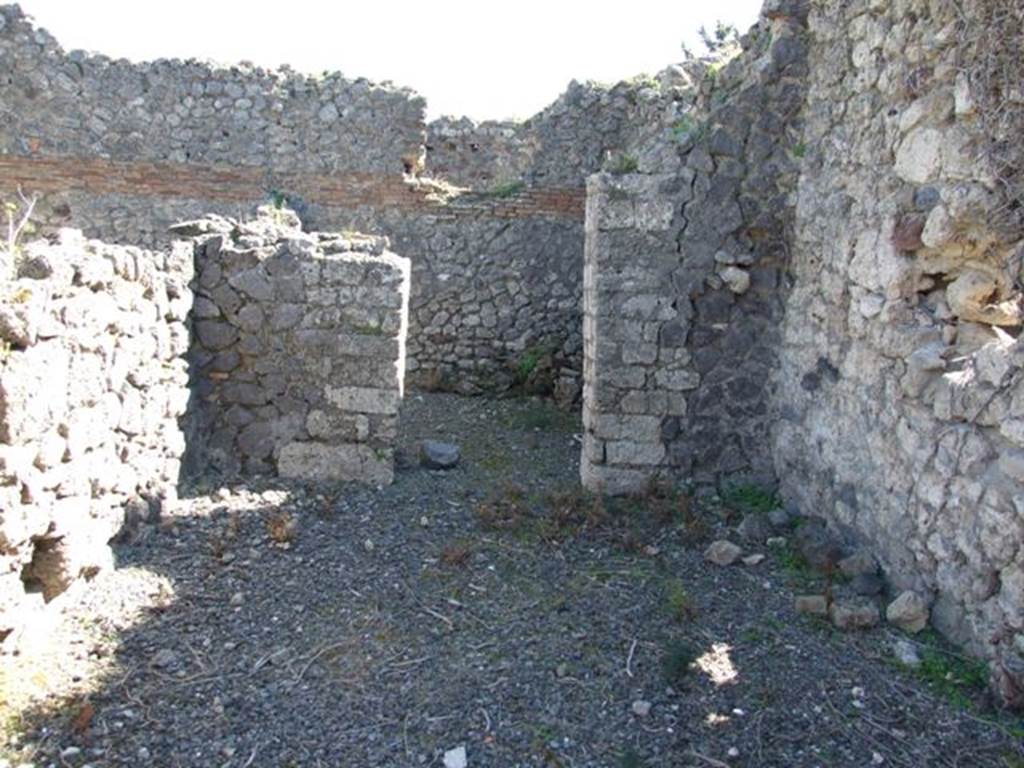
243,184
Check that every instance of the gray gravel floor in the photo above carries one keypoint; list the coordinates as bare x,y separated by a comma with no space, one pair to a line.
477,608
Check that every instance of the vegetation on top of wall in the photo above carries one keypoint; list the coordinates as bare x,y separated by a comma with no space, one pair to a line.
508,189
991,55
623,164
721,36
688,128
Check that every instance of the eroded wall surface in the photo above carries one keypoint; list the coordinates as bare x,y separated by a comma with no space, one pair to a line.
684,282
93,380
828,292
299,352
900,385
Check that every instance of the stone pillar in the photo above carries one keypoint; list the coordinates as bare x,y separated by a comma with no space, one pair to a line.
629,330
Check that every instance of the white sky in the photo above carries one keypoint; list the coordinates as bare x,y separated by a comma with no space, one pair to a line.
476,58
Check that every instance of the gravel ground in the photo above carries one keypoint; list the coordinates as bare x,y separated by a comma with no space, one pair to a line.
489,607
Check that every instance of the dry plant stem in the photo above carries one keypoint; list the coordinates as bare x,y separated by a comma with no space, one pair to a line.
16,224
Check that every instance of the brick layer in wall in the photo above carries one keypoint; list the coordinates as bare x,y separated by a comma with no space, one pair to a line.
243,184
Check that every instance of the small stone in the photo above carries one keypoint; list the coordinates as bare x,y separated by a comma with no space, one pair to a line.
907,234
437,455
755,559
641,708
368,545
425,521
70,752
456,758
876,758
777,542
906,653
737,279
812,605
733,752
867,584
722,553
164,658
237,599
851,615
562,670
908,612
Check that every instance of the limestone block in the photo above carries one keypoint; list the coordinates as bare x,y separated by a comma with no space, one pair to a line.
337,463
614,481
364,399
627,452
919,155
908,612
978,297
626,427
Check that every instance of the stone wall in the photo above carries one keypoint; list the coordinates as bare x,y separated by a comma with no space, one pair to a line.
828,291
299,351
900,384
59,104
124,150
683,289
93,380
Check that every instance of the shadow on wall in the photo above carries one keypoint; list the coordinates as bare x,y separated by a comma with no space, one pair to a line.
296,367
298,350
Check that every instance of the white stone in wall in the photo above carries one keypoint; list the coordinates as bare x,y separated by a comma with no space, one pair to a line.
919,156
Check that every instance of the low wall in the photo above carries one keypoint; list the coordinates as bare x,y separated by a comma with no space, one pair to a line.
299,351
93,380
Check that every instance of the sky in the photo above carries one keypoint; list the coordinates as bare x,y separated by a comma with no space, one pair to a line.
481,59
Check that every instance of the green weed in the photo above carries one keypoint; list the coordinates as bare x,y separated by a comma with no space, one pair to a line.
508,189
624,164
678,602
676,659
750,498
958,679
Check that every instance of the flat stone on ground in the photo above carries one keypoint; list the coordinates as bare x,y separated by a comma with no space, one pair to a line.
854,614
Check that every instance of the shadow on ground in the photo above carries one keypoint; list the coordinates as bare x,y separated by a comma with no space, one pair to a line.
491,607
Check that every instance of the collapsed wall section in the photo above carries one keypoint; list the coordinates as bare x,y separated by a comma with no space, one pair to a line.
93,380
299,351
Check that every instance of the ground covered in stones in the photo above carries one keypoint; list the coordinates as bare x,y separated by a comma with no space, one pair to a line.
491,607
